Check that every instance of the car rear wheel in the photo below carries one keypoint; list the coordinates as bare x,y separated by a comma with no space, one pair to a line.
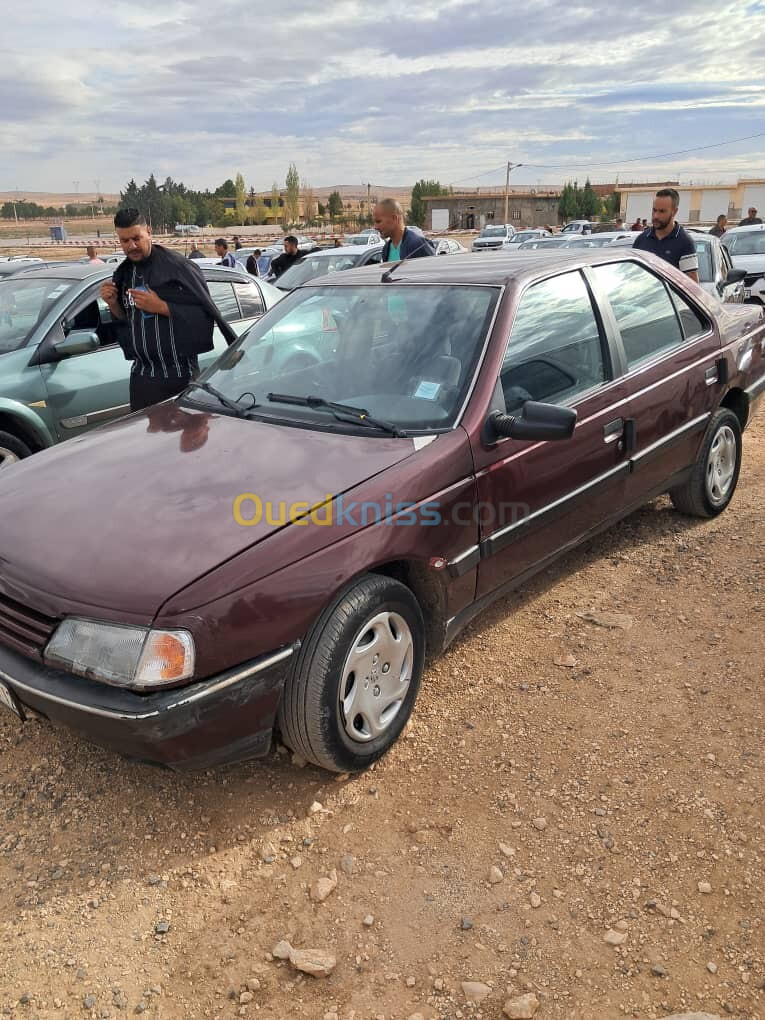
11,449
357,676
715,474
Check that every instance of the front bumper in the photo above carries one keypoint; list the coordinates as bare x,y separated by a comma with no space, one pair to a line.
221,719
754,289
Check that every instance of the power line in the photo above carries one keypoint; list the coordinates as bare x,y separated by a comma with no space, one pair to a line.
617,162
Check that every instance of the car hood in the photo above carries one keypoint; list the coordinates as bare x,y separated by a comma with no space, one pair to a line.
125,516
752,263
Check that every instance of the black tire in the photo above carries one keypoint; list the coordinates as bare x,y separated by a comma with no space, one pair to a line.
312,719
715,474
12,449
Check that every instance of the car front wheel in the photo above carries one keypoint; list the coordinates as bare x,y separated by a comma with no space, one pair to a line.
11,449
715,473
356,678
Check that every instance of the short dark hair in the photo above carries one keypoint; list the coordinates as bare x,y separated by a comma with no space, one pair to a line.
291,238
669,193
129,218
257,251
222,242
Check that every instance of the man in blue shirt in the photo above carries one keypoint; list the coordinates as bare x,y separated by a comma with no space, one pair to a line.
666,238
226,258
402,242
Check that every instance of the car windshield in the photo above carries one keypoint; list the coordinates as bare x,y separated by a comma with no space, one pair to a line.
704,253
750,242
406,353
316,265
357,239
24,302
525,235
493,232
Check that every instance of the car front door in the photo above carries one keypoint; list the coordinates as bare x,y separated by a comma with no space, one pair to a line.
671,352
537,498
88,389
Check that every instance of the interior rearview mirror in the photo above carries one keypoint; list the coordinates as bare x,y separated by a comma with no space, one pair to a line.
536,421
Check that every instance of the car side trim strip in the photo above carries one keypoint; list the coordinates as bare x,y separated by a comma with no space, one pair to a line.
754,391
466,561
203,691
504,536
648,454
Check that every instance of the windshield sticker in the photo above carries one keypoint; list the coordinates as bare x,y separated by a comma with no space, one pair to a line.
427,390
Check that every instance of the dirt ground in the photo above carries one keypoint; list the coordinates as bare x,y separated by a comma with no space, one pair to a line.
562,786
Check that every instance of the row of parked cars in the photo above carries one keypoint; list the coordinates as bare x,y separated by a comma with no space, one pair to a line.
380,455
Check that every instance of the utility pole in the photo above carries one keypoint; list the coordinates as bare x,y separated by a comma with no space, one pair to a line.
510,166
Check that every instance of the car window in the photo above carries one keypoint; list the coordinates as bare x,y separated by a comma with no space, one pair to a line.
725,259
223,295
704,253
25,302
375,258
643,309
692,321
555,350
250,300
746,243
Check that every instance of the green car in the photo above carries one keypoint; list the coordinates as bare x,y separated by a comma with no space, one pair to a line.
61,369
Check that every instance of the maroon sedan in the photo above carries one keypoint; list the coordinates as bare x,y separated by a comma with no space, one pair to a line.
381,456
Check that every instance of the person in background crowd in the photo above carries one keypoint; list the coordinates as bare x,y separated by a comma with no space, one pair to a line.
252,263
93,259
636,225
226,257
401,242
751,219
289,256
167,309
237,243
644,224
666,238
720,226
619,224
338,242
196,252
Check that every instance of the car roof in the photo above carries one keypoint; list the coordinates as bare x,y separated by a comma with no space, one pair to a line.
499,270
84,271
344,249
745,229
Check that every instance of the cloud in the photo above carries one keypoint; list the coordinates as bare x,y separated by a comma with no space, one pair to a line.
351,91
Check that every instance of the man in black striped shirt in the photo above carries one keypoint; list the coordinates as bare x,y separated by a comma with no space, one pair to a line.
168,313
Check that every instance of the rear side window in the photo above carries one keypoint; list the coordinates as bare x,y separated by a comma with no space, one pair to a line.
224,297
250,300
644,311
555,351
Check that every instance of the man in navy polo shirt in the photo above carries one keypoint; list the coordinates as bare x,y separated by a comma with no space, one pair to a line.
666,238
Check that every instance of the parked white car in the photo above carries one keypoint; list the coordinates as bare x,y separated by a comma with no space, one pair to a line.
524,235
577,227
717,275
746,247
493,237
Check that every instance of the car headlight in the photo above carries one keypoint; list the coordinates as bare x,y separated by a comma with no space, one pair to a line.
136,657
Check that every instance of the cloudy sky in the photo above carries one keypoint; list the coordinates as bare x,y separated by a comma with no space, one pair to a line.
357,92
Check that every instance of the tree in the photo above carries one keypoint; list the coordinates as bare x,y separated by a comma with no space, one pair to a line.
292,201
309,201
417,210
130,198
321,209
226,190
335,205
591,204
611,207
259,212
241,199
568,205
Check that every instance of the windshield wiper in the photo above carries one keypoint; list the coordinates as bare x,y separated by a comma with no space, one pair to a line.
238,409
342,412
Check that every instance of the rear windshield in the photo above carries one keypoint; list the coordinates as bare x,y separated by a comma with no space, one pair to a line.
24,303
309,268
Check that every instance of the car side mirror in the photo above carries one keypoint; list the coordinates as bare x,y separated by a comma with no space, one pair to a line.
79,341
735,275
537,421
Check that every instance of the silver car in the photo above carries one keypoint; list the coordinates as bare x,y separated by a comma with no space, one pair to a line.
746,247
493,237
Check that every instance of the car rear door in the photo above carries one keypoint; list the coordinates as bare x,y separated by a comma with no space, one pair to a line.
537,498
671,351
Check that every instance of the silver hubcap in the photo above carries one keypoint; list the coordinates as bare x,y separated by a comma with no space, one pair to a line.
721,465
7,457
376,676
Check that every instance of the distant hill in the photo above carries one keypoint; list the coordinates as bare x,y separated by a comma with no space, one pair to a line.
348,193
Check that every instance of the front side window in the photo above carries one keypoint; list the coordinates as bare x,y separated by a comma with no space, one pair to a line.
224,297
24,303
555,350
250,300
644,312
704,255
407,354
